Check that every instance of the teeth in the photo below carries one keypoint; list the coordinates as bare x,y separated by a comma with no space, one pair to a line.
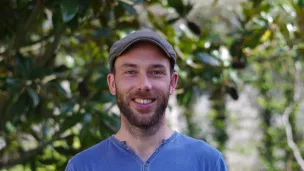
143,101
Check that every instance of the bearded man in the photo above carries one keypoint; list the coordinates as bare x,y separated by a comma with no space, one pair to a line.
142,78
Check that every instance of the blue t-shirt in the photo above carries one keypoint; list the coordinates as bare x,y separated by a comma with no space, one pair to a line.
178,153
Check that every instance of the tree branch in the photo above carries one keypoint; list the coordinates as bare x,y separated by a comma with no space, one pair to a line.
285,118
27,155
290,141
39,40
53,46
22,31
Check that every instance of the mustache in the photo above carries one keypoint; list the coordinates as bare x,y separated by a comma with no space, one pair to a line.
144,95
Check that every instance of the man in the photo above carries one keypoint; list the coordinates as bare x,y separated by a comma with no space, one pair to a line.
142,78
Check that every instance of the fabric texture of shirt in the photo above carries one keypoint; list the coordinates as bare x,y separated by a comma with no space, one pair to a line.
177,153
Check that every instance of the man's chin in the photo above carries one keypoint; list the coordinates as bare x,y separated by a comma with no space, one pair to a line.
144,125
145,120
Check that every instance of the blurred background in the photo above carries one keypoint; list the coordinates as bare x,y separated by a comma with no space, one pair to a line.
240,63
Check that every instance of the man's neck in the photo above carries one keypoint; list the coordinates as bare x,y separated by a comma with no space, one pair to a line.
144,141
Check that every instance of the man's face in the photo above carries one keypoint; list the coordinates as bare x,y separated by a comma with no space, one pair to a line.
142,84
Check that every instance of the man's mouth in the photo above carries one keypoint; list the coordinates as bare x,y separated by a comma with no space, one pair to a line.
143,101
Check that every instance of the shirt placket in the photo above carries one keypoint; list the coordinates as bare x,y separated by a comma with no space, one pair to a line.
145,165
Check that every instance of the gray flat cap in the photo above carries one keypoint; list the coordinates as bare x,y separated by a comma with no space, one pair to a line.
142,35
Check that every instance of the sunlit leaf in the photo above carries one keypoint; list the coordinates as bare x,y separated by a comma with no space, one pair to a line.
10,127
266,35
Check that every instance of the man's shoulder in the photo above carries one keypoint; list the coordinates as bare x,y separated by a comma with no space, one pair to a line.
196,146
206,156
91,154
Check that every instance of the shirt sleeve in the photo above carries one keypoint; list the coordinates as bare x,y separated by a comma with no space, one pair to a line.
69,167
220,165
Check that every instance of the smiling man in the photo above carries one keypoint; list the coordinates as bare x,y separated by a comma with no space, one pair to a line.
142,78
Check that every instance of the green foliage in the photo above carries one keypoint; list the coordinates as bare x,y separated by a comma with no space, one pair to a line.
69,9
274,59
54,99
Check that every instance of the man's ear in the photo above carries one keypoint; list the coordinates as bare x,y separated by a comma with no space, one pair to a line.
173,83
111,83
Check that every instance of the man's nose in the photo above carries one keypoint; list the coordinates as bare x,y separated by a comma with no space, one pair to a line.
144,83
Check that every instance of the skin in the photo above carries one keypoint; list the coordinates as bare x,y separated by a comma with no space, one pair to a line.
142,74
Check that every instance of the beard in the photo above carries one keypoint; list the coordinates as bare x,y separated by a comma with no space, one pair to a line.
134,117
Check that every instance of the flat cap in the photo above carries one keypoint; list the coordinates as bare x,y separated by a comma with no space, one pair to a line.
142,35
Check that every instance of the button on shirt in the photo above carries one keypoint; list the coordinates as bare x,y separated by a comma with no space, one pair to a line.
178,153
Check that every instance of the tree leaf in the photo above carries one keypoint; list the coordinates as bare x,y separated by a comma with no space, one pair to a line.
128,7
65,151
194,27
23,65
177,5
19,107
67,107
10,127
34,95
69,9
232,91
61,68
173,20
13,83
59,88
70,121
83,89
300,3
39,72
102,32
207,59
138,1
48,161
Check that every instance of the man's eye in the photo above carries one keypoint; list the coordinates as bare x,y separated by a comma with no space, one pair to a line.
157,72
130,72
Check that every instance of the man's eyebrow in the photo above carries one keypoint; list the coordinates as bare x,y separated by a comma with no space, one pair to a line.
158,66
125,65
